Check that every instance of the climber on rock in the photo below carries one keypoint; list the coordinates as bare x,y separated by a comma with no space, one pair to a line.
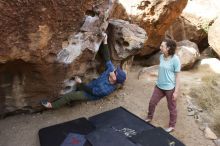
104,85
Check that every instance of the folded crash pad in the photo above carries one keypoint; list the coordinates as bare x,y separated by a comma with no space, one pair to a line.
56,134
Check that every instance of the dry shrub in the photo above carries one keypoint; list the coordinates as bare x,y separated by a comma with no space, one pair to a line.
208,97
207,94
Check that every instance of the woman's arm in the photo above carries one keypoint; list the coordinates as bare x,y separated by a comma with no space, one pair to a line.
177,88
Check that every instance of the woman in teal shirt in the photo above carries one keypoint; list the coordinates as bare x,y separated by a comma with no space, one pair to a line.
167,82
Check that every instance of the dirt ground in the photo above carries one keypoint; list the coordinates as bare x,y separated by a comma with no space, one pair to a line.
22,130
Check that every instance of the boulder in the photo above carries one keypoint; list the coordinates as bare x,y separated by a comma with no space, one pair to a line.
154,16
125,38
188,53
56,41
209,134
213,36
45,43
195,21
184,29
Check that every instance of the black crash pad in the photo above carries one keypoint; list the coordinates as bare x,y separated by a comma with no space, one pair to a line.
156,137
121,120
115,127
108,137
55,135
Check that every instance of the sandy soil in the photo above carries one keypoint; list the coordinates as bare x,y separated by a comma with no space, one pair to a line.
22,130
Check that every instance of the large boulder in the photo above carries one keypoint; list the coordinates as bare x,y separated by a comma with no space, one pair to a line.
155,16
188,53
57,40
195,21
184,29
214,36
125,38
34,35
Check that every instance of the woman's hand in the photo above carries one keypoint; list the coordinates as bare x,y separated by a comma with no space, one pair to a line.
177,88
175,95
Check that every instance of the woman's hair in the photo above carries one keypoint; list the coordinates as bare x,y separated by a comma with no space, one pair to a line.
171,44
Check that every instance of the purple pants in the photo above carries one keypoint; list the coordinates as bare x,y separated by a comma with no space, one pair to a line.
158,94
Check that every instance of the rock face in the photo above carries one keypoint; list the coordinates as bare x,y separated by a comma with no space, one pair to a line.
184,29
23,85
125,38
155,16
194,22
35,33
213,36
46,43
37,28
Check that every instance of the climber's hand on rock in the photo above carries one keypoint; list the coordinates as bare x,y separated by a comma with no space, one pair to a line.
78,80
105,37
